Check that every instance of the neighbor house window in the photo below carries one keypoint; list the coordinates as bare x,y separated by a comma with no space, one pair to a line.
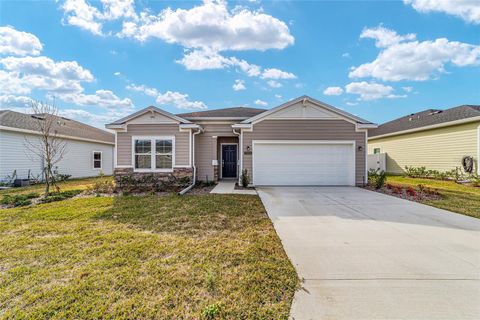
97,160
154,153
376,150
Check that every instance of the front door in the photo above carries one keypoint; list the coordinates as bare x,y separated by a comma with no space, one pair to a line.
229,161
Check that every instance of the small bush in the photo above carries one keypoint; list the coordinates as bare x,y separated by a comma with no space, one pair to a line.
62,177
19,200
59,196
244,178
411,192
211,311
105,187
377,178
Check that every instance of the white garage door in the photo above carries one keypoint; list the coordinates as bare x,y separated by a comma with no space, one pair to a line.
303,163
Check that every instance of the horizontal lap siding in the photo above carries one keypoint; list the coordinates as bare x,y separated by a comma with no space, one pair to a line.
124,141
205,148
437,149
307,130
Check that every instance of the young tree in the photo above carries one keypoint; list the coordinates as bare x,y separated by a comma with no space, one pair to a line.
49,147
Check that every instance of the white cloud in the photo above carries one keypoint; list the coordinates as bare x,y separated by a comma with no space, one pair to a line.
349,103
417,60
212,25
101,98
407,89
179,100
18,43
274,84
81,14
346,55
15,102
276,74
117,74
371,91
468,10
278,96
262,103
385,37
239,85
173,98
333,91
152,92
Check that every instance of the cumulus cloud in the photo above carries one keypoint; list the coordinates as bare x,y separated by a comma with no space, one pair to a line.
274,84
239,85
371,91
172,98
407,89
333,91
468,10
18,43
403,58
212,25
101,98
385,37
261,103
81,14
15,102
277,74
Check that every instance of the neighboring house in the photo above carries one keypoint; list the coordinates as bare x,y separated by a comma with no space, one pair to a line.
301,142
88,150
435,139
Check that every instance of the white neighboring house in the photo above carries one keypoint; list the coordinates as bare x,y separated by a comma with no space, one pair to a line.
88,152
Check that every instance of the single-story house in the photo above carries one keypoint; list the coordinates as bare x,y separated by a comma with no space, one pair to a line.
301,142
435,139
88,150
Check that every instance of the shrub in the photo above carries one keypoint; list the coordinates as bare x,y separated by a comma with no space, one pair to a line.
58,196
62,177
411,192
19,200
377,178
98,187
244,178
211,311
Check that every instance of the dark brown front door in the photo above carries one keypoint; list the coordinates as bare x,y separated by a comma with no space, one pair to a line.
229,161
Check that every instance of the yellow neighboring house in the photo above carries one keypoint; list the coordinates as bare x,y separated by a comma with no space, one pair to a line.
435,139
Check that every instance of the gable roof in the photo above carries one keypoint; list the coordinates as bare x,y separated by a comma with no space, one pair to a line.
313,101
64,126
426,118
234,113
145,110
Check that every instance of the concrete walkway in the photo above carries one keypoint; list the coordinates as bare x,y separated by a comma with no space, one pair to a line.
228,187
365,255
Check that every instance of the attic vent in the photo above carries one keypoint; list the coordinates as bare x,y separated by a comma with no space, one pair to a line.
435,112
37,117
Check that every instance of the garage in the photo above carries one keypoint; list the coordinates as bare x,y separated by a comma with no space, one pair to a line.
303,163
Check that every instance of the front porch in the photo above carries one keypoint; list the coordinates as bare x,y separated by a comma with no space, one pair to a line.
226,158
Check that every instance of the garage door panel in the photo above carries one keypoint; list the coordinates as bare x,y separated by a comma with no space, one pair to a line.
303,164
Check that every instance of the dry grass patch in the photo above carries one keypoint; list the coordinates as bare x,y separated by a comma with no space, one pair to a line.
144,258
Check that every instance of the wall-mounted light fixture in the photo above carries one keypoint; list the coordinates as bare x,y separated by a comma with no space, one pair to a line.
360,148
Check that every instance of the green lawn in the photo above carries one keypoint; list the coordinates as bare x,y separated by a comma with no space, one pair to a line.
173,257
456,197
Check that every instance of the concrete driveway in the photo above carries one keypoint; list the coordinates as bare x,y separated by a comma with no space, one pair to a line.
365,255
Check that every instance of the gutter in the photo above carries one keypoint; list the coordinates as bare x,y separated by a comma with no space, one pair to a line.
194,178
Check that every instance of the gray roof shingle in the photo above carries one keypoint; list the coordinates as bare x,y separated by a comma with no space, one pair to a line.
63,126
237,112
426,118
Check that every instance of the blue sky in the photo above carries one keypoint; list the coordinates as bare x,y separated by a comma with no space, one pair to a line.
101,60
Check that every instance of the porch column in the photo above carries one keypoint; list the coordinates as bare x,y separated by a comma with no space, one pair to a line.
215,157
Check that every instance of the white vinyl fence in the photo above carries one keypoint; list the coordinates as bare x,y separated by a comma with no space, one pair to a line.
377,161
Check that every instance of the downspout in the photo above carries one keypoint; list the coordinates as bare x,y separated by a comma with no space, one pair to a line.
194,178
240,152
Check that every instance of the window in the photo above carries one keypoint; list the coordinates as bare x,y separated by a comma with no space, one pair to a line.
154,153
376,150
97,160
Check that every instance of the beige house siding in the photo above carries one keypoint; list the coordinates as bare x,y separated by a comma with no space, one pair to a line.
124,141
206,148
437,149
307,130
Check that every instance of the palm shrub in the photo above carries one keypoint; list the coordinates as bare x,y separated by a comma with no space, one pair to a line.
377,178
244,178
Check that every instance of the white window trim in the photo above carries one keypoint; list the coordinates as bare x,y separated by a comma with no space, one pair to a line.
153,153
93,160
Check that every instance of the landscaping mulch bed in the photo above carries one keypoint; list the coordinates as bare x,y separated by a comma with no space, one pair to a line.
419,193
237,187
202,188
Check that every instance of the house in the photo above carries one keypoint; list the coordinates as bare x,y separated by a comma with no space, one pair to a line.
435,139
301,142
88,150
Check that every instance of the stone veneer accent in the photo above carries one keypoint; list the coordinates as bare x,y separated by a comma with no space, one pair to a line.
128,180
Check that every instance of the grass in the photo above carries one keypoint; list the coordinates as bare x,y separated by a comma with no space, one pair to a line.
174,257
73,184
456,197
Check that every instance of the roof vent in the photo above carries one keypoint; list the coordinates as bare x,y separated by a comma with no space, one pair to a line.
435,112
34,116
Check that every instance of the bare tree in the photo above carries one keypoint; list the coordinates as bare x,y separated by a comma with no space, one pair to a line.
51,148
